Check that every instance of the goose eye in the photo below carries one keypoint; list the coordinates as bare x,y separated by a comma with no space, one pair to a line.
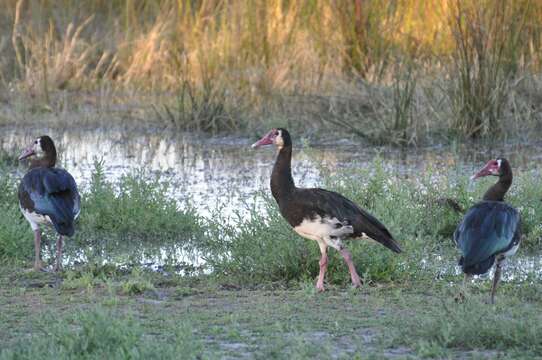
36,142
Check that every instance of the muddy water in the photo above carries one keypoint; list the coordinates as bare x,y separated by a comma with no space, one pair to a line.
225,170
212,170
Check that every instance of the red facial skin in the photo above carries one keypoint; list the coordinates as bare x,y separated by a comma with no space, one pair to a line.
268,139
491,168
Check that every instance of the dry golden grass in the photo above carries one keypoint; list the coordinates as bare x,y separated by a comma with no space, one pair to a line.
313,62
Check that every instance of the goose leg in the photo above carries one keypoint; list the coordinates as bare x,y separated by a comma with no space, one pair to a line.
38,266
496,279
356,281
58,264
323,268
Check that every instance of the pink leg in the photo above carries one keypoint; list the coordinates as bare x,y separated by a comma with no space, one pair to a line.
323,268
37,250
356,281
58,264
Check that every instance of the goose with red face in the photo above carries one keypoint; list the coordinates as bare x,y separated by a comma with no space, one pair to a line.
48,196
321,215
490,231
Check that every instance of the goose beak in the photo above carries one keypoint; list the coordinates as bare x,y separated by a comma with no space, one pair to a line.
491,168
268,139
27,153
478,175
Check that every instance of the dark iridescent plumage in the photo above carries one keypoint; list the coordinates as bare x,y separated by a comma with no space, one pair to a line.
488,229
48,196
297,204
321,215
51,192
305,203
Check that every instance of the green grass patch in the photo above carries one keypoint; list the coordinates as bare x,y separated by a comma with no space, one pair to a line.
15,232
137,283
101,334
259,246
205,318
511,326
126,220
133,220
136,208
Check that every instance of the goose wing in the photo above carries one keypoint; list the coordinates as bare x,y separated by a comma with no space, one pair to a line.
324,203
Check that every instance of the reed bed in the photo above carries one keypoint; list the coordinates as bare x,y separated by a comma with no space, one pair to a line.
403,72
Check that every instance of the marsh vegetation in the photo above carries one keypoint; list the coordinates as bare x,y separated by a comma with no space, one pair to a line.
180,251
400,72
151,273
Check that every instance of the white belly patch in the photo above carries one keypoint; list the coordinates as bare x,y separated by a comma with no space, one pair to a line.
327,230
36,219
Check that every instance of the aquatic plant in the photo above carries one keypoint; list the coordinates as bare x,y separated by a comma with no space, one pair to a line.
131,221
124,216
258,245
15,234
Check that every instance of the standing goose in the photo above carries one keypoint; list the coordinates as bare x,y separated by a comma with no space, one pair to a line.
48,196
318,214
490,231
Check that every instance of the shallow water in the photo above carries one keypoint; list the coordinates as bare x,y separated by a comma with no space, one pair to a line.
226,170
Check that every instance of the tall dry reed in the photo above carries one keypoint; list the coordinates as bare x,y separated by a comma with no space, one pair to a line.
218,65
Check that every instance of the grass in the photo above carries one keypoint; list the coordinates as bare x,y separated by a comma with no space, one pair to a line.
477,326
98,334
254,296
13,228
121,222
258,245
322,65
200,318
487,43
135,222
137,207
